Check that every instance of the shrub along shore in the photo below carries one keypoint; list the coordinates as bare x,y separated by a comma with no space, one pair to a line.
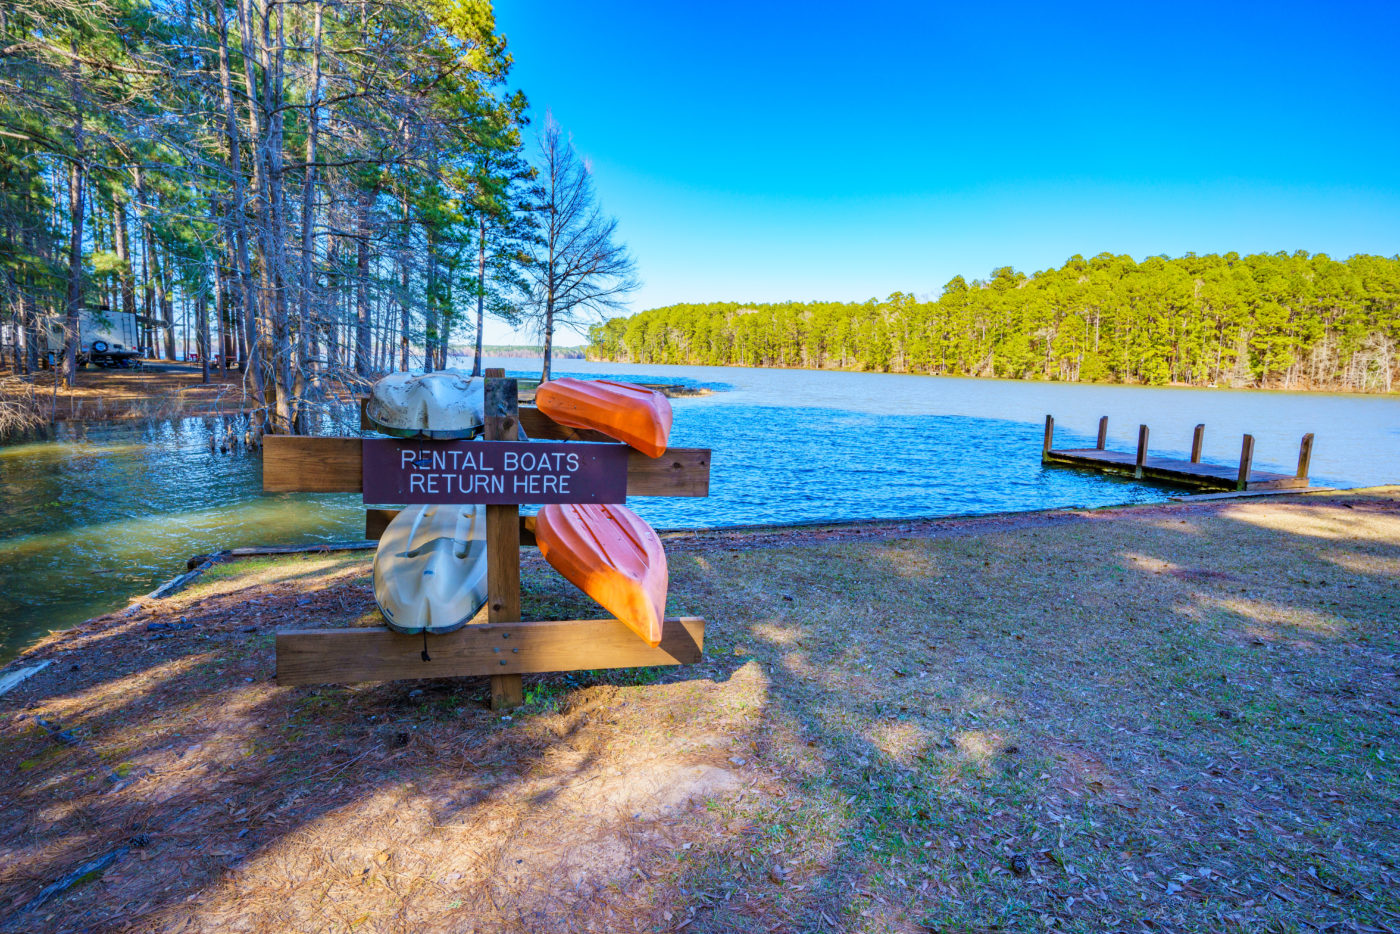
1179,717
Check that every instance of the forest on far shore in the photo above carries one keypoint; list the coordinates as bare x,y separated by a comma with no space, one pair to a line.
1280,320
530,351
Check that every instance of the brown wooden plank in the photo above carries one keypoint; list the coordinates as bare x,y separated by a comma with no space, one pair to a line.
1198,440
678,472
300,464
1170,470
503,535
1284,483
376,521
342,656
1103,433
540,427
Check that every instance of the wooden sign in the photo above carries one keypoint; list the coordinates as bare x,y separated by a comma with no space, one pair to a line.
493,472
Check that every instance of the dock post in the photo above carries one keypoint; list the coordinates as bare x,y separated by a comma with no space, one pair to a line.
1197,442
1103,433
1305,456
1246,461
1141,451
1049,436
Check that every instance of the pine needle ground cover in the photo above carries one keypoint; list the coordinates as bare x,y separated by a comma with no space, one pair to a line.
163,390
1167,718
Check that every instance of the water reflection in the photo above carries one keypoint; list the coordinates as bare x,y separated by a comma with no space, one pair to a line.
106,511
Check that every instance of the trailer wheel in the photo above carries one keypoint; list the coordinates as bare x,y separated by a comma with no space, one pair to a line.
99,346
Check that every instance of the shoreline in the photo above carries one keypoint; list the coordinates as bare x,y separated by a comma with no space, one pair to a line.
1005,379
795,534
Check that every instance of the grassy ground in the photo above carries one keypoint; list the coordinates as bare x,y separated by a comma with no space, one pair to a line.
1165,718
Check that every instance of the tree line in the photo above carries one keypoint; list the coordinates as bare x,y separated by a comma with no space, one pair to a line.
1280,320
314,192
533,351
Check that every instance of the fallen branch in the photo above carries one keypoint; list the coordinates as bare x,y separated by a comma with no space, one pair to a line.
91,868
8,682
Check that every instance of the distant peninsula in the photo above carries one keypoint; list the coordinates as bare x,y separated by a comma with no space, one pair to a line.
1269,320
530,351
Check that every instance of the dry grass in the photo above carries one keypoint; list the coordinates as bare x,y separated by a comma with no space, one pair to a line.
167,391
1167,718
19,406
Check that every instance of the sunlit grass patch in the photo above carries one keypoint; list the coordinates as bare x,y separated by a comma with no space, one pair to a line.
273,569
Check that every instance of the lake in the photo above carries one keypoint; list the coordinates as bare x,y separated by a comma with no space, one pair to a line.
108,511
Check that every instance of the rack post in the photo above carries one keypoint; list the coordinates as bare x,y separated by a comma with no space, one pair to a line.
1049,436
503,534
1305,456
1246,462
1198,440
1103,433
1141,452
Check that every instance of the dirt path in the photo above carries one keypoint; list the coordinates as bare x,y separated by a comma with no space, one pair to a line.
1168,718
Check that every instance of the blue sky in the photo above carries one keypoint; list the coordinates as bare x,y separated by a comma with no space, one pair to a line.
766,151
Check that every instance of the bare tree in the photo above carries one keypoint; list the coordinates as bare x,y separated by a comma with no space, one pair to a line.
577,271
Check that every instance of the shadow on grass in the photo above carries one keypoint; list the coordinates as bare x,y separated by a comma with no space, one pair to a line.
1177,718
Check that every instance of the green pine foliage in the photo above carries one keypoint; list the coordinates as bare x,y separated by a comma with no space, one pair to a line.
1293,321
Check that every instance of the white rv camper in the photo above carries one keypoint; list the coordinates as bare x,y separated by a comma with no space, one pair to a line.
105,337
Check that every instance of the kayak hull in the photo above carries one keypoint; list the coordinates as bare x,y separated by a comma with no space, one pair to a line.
634,415
446,404
610,554
430,568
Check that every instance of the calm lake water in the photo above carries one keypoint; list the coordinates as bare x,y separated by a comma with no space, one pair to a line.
109,511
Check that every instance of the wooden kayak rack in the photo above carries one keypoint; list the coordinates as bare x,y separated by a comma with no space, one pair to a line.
503,646
1192,473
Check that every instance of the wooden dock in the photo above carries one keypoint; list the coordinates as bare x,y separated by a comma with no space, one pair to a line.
1193,473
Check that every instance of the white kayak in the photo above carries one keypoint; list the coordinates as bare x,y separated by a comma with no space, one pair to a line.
430,568
444,405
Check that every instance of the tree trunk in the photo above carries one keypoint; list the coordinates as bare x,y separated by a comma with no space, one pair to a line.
403,284
147,289
430,302
30,311
238,236
123,245
480,291
220,313
548,338
202,334
163,300
75,238
306,332
271,345
362,311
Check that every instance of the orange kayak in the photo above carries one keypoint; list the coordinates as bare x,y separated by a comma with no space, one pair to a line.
610,554
632,414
